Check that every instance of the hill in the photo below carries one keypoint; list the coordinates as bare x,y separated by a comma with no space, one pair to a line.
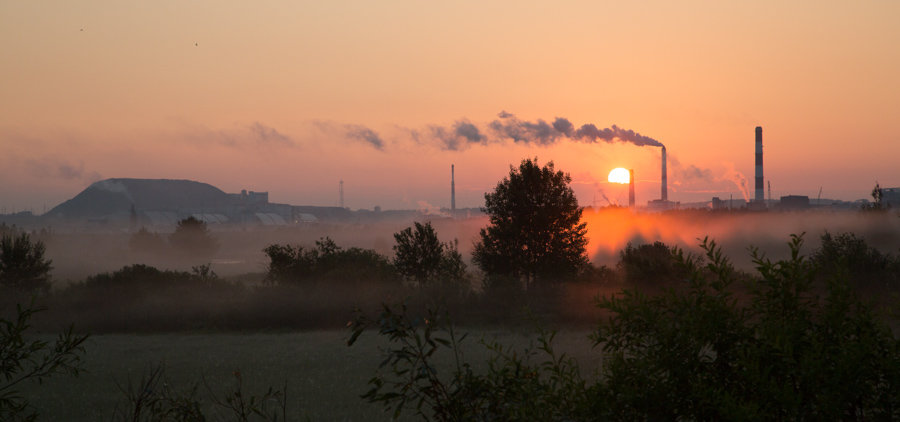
113,197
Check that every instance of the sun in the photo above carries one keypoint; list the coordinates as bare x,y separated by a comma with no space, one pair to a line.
619,175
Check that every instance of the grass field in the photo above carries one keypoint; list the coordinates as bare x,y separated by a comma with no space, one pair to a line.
324,377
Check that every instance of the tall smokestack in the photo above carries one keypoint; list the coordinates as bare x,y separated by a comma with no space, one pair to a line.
760,191
664,190
631,188
452,188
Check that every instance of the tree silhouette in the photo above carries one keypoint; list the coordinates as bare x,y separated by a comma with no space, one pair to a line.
421,257
192,236
535,232
22,263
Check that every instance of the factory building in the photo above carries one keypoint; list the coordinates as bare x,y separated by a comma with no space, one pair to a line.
890,197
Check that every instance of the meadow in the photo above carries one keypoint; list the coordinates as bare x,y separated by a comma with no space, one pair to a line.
324,377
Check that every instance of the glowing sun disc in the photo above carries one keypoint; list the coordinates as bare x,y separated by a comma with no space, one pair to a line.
619,175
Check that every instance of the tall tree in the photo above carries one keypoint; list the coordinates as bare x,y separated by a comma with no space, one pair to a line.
535,231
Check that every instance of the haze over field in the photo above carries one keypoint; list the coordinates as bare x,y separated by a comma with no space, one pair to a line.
291,97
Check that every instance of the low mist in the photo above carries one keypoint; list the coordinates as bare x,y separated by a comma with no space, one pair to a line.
77,255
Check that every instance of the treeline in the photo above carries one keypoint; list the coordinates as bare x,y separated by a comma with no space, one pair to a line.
319,286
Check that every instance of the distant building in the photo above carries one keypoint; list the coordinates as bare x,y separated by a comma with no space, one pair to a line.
793,203
730,204
718,204
661,205
890,197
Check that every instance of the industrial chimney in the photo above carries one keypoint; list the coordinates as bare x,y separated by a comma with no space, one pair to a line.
452,188
631,188
664,190
760,191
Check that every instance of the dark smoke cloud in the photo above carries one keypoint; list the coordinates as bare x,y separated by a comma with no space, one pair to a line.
564,126
540,132
456,138
269,136
364,134
510,127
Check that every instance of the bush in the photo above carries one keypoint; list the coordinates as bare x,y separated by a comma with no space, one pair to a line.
24,361
153,398
22,263
649,264
867,267
695,352
326,263
514,388
699,354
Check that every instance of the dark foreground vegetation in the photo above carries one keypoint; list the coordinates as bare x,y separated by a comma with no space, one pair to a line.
690,338
792,343
680,336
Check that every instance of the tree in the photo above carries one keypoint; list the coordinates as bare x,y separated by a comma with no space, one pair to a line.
877,194
535,230
421,257
193,237
22,263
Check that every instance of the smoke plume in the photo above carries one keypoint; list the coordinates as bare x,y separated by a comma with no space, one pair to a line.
457,137
365,134
540,132
266,135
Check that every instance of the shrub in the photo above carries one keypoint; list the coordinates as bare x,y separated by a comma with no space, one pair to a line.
22,263
514,388
698,353
153,398
866,266
23,360
695,352
649,264
326,263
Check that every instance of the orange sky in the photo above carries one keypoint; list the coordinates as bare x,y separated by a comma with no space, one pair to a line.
259,95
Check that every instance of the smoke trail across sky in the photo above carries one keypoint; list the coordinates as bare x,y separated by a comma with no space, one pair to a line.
507,126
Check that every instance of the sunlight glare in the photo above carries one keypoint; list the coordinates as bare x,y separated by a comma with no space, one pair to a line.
619,175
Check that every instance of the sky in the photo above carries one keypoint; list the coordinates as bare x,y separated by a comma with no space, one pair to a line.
291,97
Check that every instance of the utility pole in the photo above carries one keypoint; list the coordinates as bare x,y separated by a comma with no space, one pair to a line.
341,193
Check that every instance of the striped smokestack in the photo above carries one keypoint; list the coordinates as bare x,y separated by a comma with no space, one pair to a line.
452,188
760,191
664,189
